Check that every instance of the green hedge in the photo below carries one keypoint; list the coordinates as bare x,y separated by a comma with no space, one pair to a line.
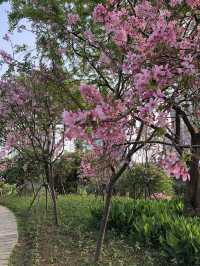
157,224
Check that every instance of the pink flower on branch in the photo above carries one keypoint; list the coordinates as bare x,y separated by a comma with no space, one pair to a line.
73,19
120,37
89,36
175,167
175,2
193,3
7,58
90,93
99,13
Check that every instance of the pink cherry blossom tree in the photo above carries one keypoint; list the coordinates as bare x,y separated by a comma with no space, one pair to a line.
31,110
144,59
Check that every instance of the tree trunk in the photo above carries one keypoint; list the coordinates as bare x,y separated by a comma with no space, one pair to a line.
33,189
46,196
34,198
104,222
192,193
53,195
50,180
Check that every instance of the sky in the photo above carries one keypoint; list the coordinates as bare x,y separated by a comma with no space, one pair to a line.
17,38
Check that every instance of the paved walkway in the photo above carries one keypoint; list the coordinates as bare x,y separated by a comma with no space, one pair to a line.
8,234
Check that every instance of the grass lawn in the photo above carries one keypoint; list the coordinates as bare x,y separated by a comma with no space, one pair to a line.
73,242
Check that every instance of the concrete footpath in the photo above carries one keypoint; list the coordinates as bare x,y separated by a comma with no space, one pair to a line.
8,234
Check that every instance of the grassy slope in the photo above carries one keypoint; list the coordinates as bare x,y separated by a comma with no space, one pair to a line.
73,242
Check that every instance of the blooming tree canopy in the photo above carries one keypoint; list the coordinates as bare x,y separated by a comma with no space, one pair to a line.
146,57
31,111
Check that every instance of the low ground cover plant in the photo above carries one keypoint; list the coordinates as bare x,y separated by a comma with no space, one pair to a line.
156,224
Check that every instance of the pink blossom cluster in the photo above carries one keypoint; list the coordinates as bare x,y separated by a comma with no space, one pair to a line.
7,58
99,13
191,3
160,34
89,36
113,23
97,166
175,167
151,81
104,59
90,93
98,122
88,168
163,33
73,19
151,116
15,94
145,10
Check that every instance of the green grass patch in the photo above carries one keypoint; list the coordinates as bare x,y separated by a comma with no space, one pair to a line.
73,242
